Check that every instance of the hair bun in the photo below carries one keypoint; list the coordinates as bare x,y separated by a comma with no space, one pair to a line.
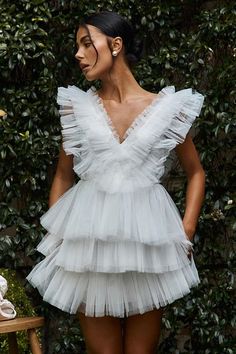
135,51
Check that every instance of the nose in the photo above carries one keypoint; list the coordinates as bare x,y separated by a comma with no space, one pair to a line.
78,55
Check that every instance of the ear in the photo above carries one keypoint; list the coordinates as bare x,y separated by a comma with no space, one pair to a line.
117,44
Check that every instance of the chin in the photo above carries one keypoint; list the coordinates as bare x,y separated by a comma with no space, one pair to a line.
98,73
92,77
89,79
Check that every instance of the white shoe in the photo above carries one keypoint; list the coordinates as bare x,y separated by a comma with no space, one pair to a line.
3,287
7,310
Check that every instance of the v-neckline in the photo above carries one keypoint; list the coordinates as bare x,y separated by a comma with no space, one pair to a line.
135,122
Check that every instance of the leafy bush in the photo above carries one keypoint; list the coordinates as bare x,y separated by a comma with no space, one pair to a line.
187,44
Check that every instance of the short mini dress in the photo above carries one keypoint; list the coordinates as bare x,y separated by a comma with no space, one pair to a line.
115,243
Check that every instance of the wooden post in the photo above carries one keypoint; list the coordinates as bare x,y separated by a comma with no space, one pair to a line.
12,342
34,342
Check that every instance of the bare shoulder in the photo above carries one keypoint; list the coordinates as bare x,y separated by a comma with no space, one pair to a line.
148,95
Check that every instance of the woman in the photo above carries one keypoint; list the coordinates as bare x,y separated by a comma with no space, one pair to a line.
117,250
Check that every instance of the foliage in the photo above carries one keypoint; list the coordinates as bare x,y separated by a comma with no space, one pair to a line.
187,44
16,294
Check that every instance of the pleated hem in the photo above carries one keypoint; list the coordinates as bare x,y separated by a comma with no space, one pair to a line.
111,294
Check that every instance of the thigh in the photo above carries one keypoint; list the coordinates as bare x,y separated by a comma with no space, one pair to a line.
101,334
142,332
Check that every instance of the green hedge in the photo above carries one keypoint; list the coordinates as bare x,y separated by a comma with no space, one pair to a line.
187,44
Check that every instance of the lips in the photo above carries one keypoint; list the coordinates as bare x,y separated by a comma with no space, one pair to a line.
83,66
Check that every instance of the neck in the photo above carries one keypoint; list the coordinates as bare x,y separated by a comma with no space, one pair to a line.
119,84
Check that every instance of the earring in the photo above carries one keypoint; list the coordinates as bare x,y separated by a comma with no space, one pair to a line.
114,53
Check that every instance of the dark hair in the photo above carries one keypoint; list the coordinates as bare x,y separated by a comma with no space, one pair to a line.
114,25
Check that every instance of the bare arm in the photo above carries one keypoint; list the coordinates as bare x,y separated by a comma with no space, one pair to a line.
64,177
191,164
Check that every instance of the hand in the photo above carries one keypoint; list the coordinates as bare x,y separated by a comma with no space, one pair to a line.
189,231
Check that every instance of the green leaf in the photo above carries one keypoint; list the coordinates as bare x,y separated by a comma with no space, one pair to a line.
200,61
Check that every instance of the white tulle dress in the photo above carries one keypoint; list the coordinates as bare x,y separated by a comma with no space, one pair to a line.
115,243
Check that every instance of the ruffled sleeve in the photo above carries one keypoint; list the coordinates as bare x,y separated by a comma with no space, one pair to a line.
72,101
188,105
68,121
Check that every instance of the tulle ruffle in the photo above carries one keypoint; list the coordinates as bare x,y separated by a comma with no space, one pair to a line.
139,161
98,294
147,216
120,257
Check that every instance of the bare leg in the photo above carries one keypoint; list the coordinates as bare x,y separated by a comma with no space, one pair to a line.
103,335
142,332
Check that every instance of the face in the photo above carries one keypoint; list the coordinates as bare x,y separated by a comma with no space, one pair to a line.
86,53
